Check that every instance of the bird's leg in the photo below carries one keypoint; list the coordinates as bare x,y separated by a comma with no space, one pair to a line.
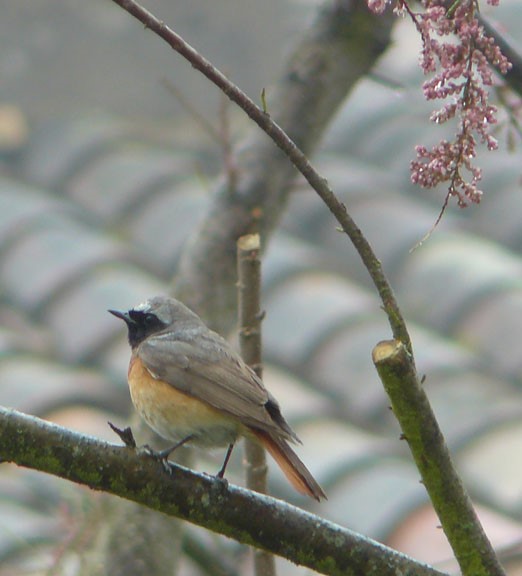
221,473
163,455
221,483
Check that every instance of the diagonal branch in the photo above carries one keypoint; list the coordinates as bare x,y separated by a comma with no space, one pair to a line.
301,537
428,447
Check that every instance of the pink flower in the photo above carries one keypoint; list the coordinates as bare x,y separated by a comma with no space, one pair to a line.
458,55
377,6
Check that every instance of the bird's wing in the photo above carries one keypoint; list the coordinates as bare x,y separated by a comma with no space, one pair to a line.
208,369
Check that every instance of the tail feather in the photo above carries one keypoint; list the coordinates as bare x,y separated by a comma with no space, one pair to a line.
296,472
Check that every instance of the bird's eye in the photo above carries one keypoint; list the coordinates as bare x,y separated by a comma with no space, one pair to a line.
150,319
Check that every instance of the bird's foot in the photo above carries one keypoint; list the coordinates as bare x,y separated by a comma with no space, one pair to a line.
160,456
220,485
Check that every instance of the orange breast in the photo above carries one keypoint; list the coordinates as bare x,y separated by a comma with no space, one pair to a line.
175,415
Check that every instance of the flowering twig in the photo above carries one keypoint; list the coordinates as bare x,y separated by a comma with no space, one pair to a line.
460,56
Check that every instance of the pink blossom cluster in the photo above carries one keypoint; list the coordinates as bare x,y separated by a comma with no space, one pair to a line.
445,163
459,56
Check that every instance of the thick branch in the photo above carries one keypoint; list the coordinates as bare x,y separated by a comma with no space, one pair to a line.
420,429
297,535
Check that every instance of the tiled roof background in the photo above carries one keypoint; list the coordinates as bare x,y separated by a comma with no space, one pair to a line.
94,213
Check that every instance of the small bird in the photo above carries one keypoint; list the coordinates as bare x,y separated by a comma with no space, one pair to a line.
190,386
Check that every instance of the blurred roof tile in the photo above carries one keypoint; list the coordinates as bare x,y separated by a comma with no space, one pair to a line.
112,185
46,258
57,149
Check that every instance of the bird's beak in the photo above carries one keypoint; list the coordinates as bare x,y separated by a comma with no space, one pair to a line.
122,316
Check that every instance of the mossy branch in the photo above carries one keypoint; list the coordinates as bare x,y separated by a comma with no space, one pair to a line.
299,536
428,447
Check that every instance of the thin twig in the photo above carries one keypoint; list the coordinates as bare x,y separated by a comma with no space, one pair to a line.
249,298
195,114
229,160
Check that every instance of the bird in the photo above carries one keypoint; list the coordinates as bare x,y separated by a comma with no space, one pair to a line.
191,387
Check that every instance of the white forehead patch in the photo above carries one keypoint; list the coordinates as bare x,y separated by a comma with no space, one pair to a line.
143,306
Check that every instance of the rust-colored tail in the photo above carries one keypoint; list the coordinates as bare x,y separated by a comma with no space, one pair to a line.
297,473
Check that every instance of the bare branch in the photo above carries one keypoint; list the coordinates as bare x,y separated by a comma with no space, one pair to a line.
249,298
